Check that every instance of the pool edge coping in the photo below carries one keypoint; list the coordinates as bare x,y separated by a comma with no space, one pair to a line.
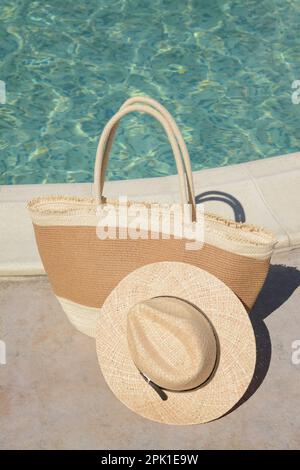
254,183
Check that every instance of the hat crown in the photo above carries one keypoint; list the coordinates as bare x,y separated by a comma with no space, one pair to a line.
171,342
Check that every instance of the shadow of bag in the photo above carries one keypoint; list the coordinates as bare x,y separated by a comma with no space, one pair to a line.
83,266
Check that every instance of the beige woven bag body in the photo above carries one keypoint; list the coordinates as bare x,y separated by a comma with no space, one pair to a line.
83,268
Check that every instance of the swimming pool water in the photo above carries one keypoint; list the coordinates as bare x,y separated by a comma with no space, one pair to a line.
223,68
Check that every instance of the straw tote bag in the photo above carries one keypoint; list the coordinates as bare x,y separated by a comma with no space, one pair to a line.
83,268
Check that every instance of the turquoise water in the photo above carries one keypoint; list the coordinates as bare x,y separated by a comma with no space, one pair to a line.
223,68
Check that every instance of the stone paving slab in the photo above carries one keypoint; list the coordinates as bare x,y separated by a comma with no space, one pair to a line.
53,396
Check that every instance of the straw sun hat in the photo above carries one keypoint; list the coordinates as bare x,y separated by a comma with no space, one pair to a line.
175,344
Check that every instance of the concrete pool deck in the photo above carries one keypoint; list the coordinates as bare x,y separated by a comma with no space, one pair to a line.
268,191
53,396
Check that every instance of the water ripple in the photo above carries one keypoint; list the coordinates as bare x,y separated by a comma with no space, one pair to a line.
223,68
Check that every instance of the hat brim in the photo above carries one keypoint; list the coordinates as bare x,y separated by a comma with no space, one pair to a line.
237,347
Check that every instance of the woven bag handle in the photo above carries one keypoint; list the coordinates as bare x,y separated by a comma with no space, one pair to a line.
180,140
99,174
102,154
